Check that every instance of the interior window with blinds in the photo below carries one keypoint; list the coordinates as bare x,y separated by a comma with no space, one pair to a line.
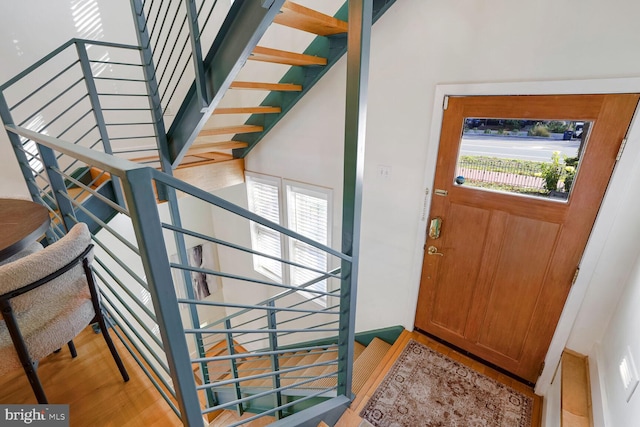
302,208
308,214
264,199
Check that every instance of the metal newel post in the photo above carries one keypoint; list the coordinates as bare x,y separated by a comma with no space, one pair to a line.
234,365
359,32
140,197
148,68
272,324
85,65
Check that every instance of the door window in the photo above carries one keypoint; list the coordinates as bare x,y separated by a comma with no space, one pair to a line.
539,158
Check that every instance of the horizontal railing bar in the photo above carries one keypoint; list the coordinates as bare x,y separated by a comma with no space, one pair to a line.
121,79
254,331
282,322
175,87
146,371
251,307
95,61
135,151
43,85
101,223
87,133
309,329
50,102
178,60
230,207
76,161
120,138
121,263
293,319
245,249
242,278
166,40
262,353
206,20
187,62
266,393
95,193
164,19
148,16
130,124
126,109
36,65
143,326
123,94
126,289
107,44
265,375
72,124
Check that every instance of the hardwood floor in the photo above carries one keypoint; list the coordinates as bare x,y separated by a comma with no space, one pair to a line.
351,417
93,387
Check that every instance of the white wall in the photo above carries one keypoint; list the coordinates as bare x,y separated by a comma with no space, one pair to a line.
416,45
622,332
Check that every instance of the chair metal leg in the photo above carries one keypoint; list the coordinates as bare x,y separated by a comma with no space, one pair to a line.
34,380
72,349
93,289
112,347
30,367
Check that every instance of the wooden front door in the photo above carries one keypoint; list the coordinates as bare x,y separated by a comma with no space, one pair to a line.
504,262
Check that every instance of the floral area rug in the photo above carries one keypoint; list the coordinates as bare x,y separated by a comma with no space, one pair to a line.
426,388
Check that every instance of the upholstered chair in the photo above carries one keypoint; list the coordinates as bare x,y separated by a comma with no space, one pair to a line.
47,297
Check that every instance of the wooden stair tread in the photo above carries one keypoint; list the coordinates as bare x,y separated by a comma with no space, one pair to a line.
202,146
266,54
227,130
302,18
357,350
367,362
280,87
204,159
248,110
576,393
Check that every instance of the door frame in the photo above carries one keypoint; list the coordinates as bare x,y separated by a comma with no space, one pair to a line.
592,258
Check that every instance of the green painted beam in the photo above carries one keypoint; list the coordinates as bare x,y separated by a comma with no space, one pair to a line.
243,27
332,48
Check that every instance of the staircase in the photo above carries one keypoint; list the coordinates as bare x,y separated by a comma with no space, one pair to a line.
78,116
310,364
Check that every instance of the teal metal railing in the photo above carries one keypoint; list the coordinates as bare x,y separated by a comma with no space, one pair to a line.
96,104
150,299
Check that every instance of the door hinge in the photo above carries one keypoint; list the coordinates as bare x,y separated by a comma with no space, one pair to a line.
445,102
575,276
622,145
541,368
439,192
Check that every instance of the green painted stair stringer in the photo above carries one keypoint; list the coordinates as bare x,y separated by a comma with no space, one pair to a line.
330,47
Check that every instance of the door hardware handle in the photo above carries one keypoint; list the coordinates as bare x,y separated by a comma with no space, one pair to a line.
432,250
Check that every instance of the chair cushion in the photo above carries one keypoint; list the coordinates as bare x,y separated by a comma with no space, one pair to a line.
51,315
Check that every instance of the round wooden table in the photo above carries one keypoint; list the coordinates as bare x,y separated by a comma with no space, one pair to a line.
22,222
